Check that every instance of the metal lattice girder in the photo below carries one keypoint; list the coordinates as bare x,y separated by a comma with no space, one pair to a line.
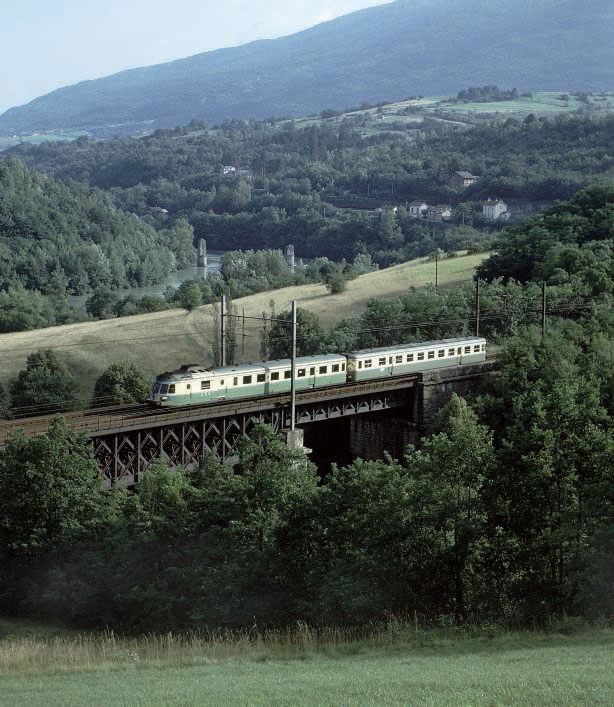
126,447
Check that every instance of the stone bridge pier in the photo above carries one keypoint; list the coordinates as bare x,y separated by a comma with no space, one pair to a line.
372,435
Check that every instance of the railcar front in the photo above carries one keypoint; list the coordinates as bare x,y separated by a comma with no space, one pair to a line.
196,385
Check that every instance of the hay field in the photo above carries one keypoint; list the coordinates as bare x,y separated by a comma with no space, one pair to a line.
164,340
395,664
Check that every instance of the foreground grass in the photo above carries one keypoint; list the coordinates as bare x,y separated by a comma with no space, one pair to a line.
164,340
388,665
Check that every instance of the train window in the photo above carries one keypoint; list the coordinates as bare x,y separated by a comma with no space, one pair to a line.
260,378
467,349
483,347
360,364
171,388
287,374
235,381
343,366
399,359
410,358
323,370
335,368
205,385
431,354
221,382
390,360
275,376
382,361
450,352
368,363
476,348
312,371
421,356
459,351
301,372
441,353
164,389
247,380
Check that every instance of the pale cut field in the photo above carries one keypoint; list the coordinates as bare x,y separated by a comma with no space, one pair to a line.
165,340
396,668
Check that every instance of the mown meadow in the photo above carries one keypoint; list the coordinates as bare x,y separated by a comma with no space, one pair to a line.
393,663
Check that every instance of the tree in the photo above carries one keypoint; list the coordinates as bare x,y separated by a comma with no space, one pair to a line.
310,338
5,400
102,303
335,282
45,384
122,382
453,464
190,295
49,492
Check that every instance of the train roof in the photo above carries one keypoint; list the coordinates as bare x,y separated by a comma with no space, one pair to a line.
188,371
302,360
418,345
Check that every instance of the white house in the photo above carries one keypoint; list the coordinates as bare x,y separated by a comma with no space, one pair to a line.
439,212
462,179
495,209
417,209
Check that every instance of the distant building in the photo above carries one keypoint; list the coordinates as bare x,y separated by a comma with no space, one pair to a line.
495,209
417,209
462,180
387,209
439,212
229,170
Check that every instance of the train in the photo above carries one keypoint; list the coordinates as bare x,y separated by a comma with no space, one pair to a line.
197,385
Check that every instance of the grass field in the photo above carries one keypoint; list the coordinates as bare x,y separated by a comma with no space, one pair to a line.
393,665
164,340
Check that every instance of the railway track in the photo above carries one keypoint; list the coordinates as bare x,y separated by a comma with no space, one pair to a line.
96,421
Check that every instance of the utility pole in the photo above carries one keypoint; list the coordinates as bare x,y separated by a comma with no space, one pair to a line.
292,368
243,335
223,318
543,309
477,307
436,269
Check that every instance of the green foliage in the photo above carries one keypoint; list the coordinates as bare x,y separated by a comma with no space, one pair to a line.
336,283
102,303
571,241
58,238
310,338
122,382
190,295
46,384
50,495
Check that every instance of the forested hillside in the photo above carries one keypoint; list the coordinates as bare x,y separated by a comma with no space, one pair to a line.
58,238
295,179
408,47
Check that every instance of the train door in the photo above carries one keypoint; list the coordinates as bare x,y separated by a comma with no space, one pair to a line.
189,388
312,377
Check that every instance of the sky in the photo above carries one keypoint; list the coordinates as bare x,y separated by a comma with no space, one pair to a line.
45,44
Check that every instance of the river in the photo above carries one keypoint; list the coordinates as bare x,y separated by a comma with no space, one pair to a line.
174,279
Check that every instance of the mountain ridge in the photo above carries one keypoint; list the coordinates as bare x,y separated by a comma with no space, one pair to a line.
407,47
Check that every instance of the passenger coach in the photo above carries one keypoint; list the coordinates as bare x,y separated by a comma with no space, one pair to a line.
407,358
194,385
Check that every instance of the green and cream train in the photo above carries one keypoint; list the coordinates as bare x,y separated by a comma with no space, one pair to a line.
195,385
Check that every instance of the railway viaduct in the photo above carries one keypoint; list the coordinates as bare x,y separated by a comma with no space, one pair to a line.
359,419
